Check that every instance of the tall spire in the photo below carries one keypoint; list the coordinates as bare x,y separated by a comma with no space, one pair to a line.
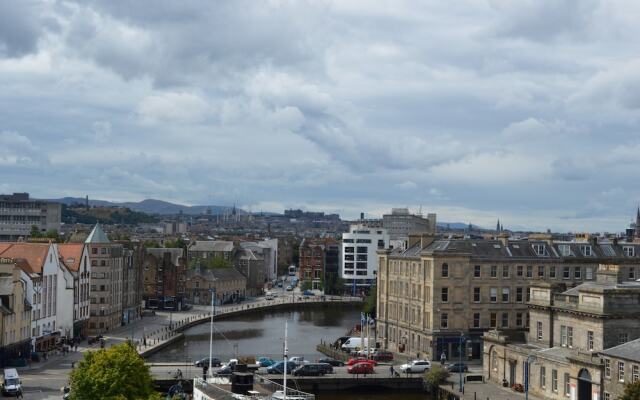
498,225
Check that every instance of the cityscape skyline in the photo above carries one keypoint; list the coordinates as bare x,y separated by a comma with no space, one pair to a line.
476,111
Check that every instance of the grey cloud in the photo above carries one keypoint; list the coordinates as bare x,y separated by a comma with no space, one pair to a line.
20,28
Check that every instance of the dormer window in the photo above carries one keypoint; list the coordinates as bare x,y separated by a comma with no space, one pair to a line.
540,250
628,251
565,250
586,250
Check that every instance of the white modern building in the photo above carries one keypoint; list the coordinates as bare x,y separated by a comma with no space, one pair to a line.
358,259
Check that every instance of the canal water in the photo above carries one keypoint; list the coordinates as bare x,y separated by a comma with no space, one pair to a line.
261,334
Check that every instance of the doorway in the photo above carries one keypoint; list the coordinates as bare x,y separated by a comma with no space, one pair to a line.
584,385
512,373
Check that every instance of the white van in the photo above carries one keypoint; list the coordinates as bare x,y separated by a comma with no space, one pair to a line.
354,343
11,382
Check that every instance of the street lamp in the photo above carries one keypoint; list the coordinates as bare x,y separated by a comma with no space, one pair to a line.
530,359
213,310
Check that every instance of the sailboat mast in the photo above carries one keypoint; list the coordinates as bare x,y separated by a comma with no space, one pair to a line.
286,350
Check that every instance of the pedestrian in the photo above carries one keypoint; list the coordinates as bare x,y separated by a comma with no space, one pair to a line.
443,358
391,371
75,347
19,394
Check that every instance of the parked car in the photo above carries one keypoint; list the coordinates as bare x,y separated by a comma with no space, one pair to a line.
310,370
298,360
269,297
308,293
332,362
215,362
383,355
357,360
289,288
265,362
327,368
278,368
370,351
458,367
361,368
225,371
415,366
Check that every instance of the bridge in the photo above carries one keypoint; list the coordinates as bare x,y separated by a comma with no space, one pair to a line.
158,337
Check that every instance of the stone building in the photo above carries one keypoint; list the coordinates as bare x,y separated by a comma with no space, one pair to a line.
621,366
132,257
318,257
74,256
204,250
401,223
435,290
229,284
252,263
164,278
15,313
568,332
106,290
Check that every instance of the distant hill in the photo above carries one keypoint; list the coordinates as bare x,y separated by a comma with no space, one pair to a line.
104,215
459,225
151,206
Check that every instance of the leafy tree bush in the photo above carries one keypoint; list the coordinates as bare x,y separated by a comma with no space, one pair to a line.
370,302
435,377
305,285
112,374
631,391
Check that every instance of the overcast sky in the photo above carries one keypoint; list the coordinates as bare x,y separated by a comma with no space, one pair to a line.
527,110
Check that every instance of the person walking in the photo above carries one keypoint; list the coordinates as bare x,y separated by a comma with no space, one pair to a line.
19,394
443,358
392,371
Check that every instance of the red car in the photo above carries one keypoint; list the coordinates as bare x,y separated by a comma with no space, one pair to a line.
361,368
353,361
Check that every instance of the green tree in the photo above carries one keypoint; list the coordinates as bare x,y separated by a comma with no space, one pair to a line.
112,374
371,301
52,234
178,243
35,232
631,391
305,285
435,377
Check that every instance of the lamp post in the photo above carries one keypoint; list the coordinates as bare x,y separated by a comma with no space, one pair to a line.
530,359
461,388
213,296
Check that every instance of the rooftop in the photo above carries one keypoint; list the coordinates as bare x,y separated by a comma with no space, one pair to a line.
629,351
97,235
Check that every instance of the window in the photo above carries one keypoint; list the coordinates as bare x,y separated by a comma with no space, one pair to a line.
565,250
607,368
505,271
586,250
445,270
476,320
632,273
566,272
569,336
349,249
623,338
620,371
607,396
588,273
552,272
505,295
519,296
444,320
628,251
494,271
529,271
505,320
543,377
539,330
590,340
476,271
577,272
519,320
361,249
635,373
519,270
540,249
567,385
563,336
494,318
476,294
493,295
94,250
445,295
554,380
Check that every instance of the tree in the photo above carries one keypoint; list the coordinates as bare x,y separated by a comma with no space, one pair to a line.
112,374
305,285
631,391
435,377
178,243
371,302
35,232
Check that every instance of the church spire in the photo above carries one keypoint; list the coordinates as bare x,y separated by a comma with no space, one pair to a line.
498,225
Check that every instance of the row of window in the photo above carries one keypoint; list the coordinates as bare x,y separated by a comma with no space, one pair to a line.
635,371
521,320
505,295
565,272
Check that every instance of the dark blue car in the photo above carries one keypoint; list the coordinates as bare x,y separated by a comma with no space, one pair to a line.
278,368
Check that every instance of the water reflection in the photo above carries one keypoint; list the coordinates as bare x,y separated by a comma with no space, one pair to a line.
261,334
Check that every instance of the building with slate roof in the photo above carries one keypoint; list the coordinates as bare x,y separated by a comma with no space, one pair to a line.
570,332
621,366
437,288
164,278
229,285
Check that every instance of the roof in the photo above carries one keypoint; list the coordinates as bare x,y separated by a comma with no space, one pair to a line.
34,255
97,235
211,245
216,274
524,250
629,351
71,255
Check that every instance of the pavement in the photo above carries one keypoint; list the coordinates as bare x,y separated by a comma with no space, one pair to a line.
483,391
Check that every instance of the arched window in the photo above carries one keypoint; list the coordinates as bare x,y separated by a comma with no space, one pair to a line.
494,360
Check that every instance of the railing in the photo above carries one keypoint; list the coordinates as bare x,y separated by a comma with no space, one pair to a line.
214,391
